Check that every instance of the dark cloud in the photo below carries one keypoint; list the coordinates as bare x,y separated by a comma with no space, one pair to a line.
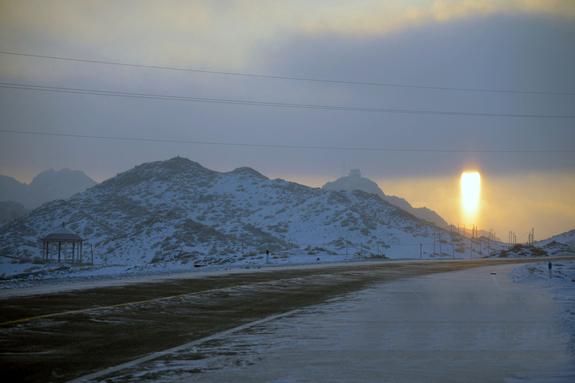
505,52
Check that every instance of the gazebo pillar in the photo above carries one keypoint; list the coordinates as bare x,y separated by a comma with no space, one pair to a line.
64,240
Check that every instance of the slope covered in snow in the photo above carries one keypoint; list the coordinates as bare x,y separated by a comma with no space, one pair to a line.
355,181
10,210
180,211
567,238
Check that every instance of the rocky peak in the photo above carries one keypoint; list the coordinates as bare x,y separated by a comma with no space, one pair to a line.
247,171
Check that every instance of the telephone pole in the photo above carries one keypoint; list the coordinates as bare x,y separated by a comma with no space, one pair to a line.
439,239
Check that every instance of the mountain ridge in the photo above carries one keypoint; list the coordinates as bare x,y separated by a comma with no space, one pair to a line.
178,210
355,181
46,186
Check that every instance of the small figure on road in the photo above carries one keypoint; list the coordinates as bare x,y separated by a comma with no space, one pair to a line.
550,268
267,256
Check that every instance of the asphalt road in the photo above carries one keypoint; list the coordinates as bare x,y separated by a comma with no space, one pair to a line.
60,336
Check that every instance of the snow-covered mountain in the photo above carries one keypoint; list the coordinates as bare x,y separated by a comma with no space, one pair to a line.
47,186
355,181
10,210
13,190
560,244
567,238
178,210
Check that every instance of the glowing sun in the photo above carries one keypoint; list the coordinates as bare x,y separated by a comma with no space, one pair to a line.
470,192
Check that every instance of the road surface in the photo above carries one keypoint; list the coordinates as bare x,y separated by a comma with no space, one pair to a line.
68,334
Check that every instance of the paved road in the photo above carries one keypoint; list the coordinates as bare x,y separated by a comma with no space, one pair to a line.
471,325
60,336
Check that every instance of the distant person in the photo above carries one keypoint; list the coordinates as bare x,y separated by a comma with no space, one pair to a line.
550,268
267,256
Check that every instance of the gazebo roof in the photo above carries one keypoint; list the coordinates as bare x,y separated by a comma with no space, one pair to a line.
62,236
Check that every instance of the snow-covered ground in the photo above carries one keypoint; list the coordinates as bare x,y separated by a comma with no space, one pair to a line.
15,275
559,282
496,323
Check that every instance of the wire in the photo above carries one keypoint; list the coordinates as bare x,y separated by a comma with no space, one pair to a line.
280,146
289,78
165,97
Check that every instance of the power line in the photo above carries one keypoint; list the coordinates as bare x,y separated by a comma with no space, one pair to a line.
245,102
289,78
279,146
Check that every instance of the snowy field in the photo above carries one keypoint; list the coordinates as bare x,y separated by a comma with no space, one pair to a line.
559,282
498,323
19,276
19,273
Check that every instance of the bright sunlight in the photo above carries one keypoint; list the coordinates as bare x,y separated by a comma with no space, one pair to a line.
470,193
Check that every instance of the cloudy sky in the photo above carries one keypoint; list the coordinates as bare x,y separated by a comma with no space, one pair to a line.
520,50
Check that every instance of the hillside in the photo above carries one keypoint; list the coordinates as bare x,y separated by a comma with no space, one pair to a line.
177,210
355,181
567,238
10,210
47,186
563,243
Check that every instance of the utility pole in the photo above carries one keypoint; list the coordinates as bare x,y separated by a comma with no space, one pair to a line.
531,237
439,239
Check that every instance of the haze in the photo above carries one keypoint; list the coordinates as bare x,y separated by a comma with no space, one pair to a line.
527,164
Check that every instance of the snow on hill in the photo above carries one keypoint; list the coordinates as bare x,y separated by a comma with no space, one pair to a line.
10,210
355,181
559,244
179,211
567,238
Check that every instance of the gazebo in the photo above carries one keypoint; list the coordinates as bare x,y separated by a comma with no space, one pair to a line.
69,247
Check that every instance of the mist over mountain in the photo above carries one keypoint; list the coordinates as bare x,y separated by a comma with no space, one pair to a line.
47,186
10,210
178,210
355,181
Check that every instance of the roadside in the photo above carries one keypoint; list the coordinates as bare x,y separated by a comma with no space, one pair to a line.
471,325
557,278
59,336
64,282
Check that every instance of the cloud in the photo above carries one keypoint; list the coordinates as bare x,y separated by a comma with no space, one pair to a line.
222,34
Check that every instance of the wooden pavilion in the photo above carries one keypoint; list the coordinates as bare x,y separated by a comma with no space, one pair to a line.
69,247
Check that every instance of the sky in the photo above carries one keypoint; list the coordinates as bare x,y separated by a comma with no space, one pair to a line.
521,45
